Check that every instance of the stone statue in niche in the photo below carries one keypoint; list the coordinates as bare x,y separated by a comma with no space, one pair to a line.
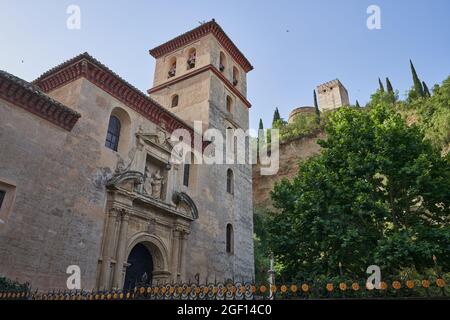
153,183
157,182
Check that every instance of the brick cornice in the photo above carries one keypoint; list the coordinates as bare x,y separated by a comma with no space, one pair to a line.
209,67
27,96
91,69
211,27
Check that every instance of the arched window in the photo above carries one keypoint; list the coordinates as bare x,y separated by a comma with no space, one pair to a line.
172,68
230,149
2,196
192,57
222,62
230,181
175,99
230,238
235,76
229,104
113,135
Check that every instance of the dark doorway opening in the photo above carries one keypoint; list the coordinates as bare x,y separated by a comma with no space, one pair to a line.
140,269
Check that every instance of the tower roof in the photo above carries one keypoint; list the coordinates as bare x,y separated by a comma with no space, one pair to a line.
211,27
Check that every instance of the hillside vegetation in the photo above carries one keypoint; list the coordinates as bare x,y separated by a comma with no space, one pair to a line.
379,193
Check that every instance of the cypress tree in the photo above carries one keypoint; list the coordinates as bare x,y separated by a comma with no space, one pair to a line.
390,89
276,116
417,83
316,106
357,104
381,85
260,139
426,91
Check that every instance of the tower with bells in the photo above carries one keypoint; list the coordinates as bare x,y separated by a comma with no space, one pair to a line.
201,75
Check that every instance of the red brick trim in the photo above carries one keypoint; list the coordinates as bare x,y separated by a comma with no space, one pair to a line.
25,95
199,32
86,66
209,67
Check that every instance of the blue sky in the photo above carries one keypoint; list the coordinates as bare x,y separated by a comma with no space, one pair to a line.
294,45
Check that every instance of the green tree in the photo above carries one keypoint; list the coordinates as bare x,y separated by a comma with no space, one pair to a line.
261,245
276,116
434,113
316,107
261,139
377,194
357,104
381,85
418,88
390,89
426,91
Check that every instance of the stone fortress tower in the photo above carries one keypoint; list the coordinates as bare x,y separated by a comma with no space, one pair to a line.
332,95
202,76
298,112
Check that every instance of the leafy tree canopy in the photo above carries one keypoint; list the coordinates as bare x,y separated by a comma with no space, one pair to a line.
378,194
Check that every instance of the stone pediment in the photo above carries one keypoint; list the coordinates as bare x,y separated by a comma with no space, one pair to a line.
185,204
126,180
158,138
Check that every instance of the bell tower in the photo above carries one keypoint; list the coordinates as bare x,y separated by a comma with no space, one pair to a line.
202,76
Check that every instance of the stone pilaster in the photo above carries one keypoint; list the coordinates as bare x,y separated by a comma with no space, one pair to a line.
175,263
182,262
121,250
108,248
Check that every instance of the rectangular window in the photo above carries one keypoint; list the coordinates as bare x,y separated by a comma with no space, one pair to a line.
187,168
2,197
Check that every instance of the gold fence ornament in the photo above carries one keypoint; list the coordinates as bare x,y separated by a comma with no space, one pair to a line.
410,284
396,285
440,282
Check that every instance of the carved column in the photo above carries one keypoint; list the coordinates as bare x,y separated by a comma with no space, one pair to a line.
108,248
121,250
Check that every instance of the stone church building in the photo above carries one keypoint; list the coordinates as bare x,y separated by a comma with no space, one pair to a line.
86,177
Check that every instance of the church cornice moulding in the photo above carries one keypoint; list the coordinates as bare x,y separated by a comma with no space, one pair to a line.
29,97
209,67
86,66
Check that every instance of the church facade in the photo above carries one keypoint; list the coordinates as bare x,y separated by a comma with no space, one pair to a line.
87,177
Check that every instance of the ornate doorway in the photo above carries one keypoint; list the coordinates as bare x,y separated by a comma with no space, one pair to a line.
140,269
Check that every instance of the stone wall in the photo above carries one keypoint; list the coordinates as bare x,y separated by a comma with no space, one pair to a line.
59,212
56,220
291,155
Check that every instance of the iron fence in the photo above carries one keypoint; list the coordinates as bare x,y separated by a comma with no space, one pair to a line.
411,288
